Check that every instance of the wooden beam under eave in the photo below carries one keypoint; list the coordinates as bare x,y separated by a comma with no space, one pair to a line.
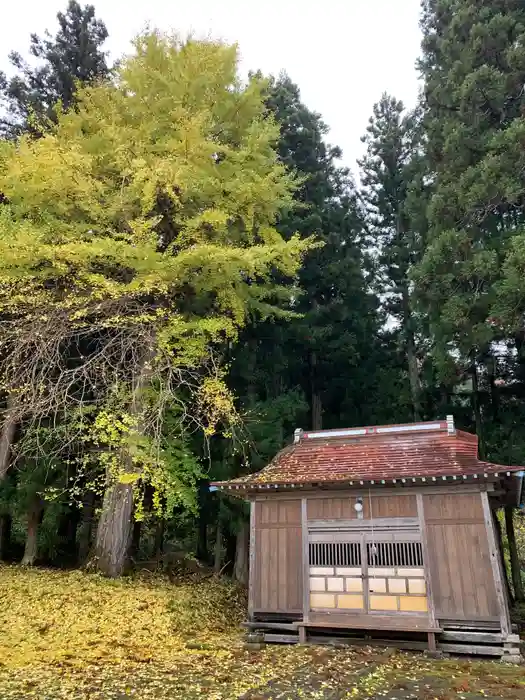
306,560
251,563
426,557
378,490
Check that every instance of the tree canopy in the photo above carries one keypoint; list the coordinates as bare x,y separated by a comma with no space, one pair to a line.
189,272
73,56
138,235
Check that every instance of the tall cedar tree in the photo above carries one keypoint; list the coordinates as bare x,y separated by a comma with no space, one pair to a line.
322,367
338,316
73,56
471,277
392,184
473,64
329,346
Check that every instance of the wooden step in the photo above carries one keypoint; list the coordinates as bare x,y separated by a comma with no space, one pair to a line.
291,626
477,637
478,650
379,625
281,638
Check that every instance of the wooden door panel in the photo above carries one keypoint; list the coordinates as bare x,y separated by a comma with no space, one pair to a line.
278,568
463,586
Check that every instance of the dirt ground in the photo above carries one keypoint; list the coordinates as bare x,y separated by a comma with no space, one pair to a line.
277,673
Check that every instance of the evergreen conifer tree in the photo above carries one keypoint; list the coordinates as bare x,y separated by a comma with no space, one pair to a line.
73,56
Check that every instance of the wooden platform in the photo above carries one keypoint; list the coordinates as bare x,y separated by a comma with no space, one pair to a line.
404,633
371,622
474,643
381,625
350,623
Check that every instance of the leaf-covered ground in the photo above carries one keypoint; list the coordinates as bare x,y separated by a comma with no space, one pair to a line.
77,636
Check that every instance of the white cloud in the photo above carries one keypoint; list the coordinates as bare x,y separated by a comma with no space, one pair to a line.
342,53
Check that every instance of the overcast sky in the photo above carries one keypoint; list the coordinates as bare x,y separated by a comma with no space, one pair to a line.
342,53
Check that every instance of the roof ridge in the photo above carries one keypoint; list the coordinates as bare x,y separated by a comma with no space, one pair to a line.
371,430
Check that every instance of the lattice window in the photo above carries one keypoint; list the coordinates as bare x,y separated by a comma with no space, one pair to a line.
335,554
390,554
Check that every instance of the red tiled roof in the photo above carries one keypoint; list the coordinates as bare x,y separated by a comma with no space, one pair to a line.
374,454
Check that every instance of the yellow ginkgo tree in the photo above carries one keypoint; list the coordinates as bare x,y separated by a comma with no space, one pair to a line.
135,238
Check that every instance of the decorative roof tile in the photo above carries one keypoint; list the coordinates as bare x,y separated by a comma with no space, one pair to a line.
373,454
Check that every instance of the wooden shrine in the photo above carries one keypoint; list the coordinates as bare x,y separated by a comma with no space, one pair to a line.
384,533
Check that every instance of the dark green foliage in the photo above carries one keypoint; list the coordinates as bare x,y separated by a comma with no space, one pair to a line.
412,308
333,365
473,65
339,323
394,195
74,55
324,367
474,69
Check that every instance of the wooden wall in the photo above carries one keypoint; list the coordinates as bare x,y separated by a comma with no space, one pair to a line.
463,585
458,558
342,507
277,563
278,566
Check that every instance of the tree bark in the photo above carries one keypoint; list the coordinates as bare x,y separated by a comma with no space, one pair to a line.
491,365
499,537
444,399
519,340
316,406
136,533
240,571
85,528
114,530
202,552
410,346
6,441
159,538
7,435
6,523
515,568
413,374
34,518
476,409
229,557
147,505
217,558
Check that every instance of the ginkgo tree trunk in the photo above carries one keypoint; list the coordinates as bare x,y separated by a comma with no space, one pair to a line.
114,532
147,213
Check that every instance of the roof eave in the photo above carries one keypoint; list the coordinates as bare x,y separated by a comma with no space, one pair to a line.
258,487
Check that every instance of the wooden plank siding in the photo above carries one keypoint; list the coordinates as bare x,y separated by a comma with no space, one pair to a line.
251,562
278,567
455,507
463,586
342,507
452,525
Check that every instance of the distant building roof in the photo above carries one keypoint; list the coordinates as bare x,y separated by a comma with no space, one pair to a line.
425,451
